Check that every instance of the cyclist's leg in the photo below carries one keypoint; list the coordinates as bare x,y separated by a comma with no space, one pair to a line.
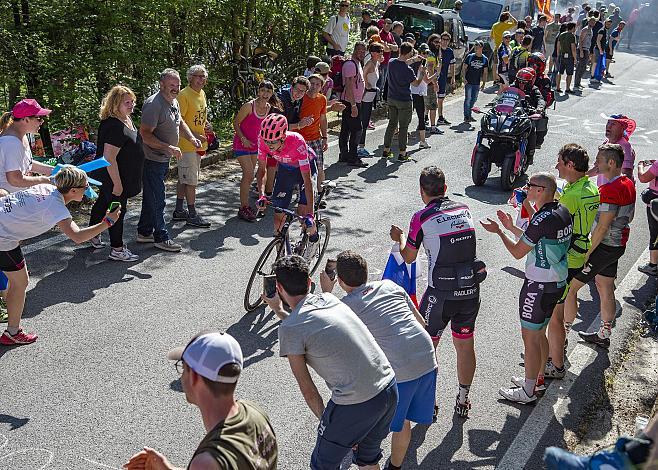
247,166
464,313
271,175
284,184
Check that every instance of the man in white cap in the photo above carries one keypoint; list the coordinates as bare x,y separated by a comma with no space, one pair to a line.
239,434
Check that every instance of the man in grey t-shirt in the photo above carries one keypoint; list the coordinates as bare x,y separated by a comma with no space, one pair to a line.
160,127
325,334
399,329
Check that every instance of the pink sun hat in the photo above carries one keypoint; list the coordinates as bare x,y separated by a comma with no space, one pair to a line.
28,107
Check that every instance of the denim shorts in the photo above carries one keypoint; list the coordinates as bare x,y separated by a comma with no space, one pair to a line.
416,401
364,425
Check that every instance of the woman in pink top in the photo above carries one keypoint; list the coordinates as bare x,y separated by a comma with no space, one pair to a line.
247,126
647,172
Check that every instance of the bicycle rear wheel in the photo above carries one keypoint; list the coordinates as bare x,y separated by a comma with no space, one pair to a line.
324,230
271,253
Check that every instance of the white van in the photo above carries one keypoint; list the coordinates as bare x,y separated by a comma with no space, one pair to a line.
479,15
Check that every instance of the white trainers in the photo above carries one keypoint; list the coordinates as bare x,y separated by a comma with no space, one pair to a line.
520,382
97,242
311,250
517,395
122,254
552,372
424,145
144,238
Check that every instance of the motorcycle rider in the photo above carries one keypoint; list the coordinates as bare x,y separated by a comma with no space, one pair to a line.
537,61
533,103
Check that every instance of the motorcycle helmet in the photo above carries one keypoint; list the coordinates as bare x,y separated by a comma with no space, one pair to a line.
537,61
526,77
274,127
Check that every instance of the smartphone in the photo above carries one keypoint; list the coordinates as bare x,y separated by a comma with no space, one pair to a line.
330,269
269,285
114,205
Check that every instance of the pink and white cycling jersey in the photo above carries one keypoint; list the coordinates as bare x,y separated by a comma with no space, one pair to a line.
446,229
293,153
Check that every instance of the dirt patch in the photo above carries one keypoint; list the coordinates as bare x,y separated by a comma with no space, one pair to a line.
631,389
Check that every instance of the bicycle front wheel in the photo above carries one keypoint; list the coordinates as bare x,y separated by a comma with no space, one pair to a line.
271,253
324,230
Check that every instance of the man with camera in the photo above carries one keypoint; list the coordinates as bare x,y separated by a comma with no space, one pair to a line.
392,318
322,332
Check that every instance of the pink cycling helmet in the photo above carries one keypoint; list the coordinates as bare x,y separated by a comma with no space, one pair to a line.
274,127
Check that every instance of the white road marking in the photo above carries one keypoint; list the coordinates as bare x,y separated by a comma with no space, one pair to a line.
581,356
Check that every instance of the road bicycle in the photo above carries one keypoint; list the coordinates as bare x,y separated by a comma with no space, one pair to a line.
282,246
245,81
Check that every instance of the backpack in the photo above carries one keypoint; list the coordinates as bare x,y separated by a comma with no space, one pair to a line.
323,41
336,72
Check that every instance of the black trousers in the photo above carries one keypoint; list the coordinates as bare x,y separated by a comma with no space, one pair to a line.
350,133
105,197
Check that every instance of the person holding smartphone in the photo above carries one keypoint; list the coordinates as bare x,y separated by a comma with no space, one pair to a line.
121,145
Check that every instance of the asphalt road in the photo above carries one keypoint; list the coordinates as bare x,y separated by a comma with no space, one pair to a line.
96,387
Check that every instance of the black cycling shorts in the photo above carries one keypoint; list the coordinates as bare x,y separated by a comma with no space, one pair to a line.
12,260
537,301
602,262
459,308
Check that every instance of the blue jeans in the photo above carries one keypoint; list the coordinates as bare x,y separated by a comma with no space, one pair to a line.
470,97
151,218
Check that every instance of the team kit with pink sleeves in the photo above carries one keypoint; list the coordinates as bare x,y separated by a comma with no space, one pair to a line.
293,158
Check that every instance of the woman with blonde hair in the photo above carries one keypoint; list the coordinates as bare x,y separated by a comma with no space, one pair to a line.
120,143
30,213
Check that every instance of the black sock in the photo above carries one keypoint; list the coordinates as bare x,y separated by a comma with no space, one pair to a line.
192,210
179,204
390,466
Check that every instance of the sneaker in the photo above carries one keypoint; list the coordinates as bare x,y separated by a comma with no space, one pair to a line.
520,381
648,269
323,204
197,221
169,245
424,145
461,409
122,254
245,213
594,338
404,157
435,130
552,372
558,90
311,250
371,125
358,163
181,214
97,242
387,154
472,119
362,152
517,395
443,121
144,238
19,338
569,91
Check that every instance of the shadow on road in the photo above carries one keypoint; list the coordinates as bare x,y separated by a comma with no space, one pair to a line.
13,421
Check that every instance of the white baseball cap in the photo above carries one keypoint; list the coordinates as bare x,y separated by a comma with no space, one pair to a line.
207,353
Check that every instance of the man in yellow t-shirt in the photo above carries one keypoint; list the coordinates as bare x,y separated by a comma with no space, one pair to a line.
194,111
505,23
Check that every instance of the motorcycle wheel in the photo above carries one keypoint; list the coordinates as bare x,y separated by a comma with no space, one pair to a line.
507,175
480,169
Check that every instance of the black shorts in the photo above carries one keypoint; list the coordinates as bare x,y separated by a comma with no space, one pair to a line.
602,262
537,301
653,230
566,65
12,260
459,308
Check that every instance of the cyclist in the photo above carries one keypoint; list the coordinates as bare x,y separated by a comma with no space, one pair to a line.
581,197
545,241
296,166
446,229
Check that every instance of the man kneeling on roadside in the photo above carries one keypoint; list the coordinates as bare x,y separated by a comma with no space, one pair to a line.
399,330
325,334
240,435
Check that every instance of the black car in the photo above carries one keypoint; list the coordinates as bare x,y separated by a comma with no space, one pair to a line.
423,20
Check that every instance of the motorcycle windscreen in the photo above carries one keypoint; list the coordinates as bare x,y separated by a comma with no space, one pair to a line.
511,98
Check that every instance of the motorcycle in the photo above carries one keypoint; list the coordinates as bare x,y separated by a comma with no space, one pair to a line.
507,128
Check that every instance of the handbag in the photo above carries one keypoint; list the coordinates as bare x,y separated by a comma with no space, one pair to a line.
648,195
